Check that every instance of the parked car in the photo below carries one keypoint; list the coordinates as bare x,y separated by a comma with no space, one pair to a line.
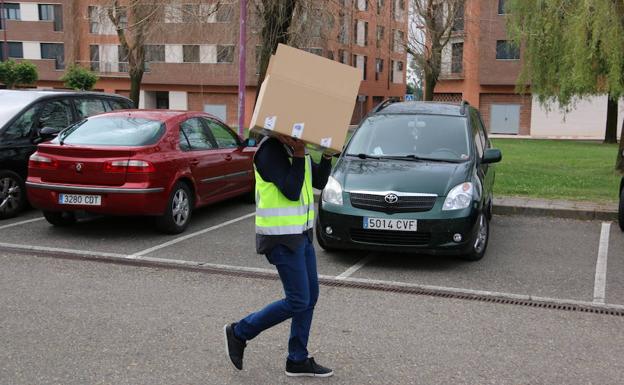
31,117
415,177
157,163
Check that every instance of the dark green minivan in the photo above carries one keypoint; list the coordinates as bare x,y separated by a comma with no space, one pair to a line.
415,177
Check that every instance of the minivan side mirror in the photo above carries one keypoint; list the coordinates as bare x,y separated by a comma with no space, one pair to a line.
249,142
492,155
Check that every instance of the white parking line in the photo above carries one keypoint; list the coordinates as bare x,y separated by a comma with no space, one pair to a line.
21,223
191,235
600,281
63,250
347,273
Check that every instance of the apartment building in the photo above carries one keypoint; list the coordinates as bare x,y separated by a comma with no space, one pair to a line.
192,53
480,64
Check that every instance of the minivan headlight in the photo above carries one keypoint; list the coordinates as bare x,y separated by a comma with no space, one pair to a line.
332,193
459,197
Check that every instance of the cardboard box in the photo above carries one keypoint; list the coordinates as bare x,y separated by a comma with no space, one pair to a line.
307,96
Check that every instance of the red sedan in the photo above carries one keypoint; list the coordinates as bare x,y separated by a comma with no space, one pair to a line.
157,163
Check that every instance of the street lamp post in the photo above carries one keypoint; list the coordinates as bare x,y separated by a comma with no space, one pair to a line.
242,68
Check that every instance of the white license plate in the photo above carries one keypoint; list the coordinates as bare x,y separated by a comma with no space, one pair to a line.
82,200
390,224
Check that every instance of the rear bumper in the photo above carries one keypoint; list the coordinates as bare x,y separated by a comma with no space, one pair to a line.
115,200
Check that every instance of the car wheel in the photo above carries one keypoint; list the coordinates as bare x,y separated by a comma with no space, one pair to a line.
12,194
480,242
178,212
621,210
60,218
321,241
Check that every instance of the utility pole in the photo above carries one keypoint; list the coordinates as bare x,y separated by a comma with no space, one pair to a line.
242,67
5,45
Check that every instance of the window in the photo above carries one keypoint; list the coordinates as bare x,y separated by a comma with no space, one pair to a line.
54,51
55,114
122,57
12,11
89,107
173,13
360,31
52,12
224,137
190,13
258,57
94,57
507,50
16,50
399,40
343,35
380,35
343,56
362,5
398,9
316,51
126,131
190,53
457,58
119,104
184,143
153,54
479,138
22,127
225,13
196,135
330,55
458,23
501,7
225,53
379,65
380,5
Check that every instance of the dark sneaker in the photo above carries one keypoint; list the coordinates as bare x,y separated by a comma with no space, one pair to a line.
233,346
307,368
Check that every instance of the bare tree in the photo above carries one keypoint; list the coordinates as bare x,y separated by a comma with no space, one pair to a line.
431,28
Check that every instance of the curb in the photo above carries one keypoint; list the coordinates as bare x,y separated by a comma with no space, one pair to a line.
553,209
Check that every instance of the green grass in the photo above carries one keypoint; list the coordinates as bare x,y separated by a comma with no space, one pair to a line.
555,169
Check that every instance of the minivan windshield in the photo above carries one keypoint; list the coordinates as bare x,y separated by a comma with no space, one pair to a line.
431,137
113,131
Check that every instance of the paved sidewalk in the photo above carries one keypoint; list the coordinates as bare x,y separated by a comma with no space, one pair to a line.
555,208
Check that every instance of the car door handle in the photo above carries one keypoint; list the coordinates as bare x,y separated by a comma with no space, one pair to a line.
194,162
228,157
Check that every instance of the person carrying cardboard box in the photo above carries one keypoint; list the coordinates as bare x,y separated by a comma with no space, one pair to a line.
285,176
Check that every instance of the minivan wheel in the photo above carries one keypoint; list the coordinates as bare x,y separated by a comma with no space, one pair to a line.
60,218
12,194
480,242
621,210
178,212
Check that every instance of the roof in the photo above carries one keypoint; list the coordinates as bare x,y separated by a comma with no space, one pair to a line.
160,115
422,108
27,96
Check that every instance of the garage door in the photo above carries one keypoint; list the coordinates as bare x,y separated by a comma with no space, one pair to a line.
218,110
505,119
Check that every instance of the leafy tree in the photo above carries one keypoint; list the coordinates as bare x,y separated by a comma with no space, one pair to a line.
79,78
13,73
572,48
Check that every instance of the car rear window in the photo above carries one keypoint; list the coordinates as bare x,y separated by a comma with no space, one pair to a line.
113,131
430,136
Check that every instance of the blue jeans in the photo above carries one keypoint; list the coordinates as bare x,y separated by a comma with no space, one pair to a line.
297,270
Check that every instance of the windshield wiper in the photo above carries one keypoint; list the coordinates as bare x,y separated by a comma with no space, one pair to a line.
364,156
419,158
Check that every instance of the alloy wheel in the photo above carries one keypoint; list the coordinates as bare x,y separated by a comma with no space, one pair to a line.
181,207
10,195
482,235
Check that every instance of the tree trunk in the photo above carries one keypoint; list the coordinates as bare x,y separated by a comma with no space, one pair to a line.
619,164
612,121
430,83
135,86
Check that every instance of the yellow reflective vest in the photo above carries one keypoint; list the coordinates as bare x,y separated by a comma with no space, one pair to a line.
278,215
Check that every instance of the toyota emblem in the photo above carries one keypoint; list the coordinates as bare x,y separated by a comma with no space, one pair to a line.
391,198
78,167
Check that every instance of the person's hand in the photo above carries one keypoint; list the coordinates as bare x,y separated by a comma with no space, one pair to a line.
297,145
328,154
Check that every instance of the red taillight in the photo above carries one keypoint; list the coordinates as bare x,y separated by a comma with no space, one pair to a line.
134,166
39,161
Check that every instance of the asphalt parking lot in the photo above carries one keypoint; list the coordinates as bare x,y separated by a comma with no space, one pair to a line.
532,256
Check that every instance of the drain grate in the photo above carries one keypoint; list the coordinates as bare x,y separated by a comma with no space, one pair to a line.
231,271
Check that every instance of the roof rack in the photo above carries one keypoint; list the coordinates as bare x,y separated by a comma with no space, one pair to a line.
464,104
383,105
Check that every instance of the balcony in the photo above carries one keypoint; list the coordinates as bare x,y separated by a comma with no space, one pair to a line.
451,75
